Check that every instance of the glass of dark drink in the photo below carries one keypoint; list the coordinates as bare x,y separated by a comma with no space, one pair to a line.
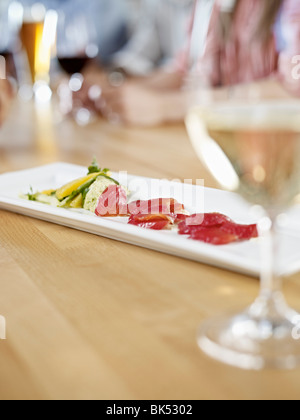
76,40
76,48
72,65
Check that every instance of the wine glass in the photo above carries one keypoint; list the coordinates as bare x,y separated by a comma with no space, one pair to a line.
251,145
76,47
76,41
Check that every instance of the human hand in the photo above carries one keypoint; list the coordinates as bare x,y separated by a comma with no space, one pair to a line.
132,104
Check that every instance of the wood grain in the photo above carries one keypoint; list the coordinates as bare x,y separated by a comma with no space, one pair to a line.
91,318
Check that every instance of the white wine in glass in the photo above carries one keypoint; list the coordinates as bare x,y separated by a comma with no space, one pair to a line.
253,148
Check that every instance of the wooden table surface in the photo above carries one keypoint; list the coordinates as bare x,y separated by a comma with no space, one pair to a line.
91,318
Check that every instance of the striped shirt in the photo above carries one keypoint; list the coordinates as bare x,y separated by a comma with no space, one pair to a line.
244,59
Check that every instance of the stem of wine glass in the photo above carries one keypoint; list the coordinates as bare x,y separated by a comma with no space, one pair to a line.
271,302
263,335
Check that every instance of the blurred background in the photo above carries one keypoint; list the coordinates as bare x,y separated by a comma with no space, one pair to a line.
41,40
67,64
79,50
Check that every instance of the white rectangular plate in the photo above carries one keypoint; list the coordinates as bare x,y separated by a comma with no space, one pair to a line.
242,257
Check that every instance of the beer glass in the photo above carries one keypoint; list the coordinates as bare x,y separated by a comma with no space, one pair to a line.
38,33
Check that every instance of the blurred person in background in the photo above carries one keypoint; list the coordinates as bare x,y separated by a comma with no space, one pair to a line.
266,39
163,47
160,34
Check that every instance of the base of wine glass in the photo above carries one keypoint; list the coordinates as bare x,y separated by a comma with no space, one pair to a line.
252,342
